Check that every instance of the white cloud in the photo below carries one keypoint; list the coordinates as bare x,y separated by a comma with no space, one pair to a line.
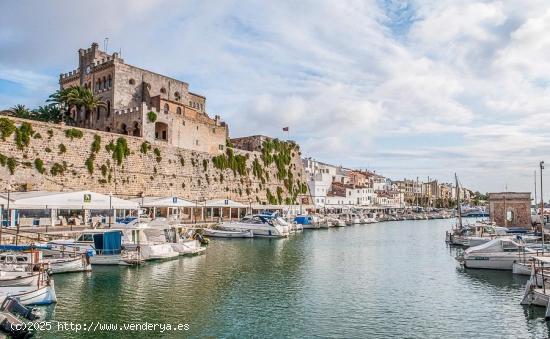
461,86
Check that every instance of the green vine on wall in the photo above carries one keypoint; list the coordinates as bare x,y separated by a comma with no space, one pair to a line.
7,127
152,116
23,135
96,144
145,147
157,154
119,150
39,165
12,164
237,163
73,133
90,163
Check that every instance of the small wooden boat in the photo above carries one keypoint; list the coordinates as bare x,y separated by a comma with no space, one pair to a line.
14,278
24,261
31,295
228,234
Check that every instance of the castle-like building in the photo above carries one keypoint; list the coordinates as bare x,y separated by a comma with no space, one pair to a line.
144,104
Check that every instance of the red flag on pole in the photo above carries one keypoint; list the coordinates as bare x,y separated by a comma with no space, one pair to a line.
285,129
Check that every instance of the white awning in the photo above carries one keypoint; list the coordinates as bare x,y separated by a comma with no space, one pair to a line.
163,202
66,200
223,203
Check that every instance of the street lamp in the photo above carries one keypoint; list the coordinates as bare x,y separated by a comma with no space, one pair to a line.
542,221
110,208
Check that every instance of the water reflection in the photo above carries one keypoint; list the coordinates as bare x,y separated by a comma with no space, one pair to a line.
396,279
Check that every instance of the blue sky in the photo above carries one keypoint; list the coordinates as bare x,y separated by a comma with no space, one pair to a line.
408,88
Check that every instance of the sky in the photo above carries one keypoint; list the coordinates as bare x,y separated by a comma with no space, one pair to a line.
409,88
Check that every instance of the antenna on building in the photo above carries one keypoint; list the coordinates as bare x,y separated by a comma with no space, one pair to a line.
105,44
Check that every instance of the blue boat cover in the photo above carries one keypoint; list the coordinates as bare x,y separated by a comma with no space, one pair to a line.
108,242
303,220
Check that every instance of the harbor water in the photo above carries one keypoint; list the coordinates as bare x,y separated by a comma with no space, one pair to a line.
393,279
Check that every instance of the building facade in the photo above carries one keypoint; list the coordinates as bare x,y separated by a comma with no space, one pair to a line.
142,103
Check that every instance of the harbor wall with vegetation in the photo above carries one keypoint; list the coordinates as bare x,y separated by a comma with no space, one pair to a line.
44,156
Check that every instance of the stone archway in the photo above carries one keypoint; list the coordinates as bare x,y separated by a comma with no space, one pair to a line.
136,131
161,131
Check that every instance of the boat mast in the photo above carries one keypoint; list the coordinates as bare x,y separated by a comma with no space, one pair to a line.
458,203
535,191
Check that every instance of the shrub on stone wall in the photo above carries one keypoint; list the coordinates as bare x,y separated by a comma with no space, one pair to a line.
145,147
23,135
39,165
157,154
90,163
73,133
62,148
7,127
57,169
12,164
119,150
152,116
96,144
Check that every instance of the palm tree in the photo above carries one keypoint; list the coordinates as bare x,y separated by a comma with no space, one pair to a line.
77,97
20,111
86,99
65,100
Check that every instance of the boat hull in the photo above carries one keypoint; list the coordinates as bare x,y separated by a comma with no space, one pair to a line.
31,295
490,262
114,259
67,265
228,234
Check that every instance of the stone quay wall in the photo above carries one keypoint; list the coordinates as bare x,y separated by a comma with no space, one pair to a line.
152,169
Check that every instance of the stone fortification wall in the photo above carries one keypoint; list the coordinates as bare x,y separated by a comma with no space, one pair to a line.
42,156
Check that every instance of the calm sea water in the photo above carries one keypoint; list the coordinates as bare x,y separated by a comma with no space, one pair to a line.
394,279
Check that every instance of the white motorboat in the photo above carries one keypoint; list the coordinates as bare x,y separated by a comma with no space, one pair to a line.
497,254
150,242
153,236
228,234
261,225
337,222
21,261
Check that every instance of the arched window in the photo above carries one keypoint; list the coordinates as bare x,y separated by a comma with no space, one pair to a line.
110,81
104,83
166,108
132,82
163,90
108,108
98,85
123,129
177,96
178,110
136,131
